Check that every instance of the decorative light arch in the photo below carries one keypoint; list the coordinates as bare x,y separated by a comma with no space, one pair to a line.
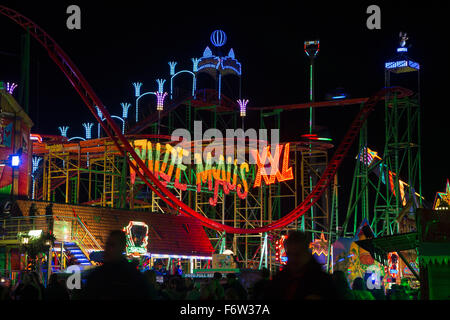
194,82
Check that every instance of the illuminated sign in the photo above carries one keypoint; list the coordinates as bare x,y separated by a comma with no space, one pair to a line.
393,268
442,200
319,246
227,174
137,238
280,251
35,233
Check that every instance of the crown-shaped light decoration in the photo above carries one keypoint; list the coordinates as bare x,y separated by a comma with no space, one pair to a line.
35,162
100,114
63,131
160,100
10,87
125,107
88,129
160,85
195,64
137,88
172,65
211,63
243,107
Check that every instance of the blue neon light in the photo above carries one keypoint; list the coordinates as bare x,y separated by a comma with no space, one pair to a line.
207,53
80,138
414,65
193,81
208,65
36,161
220,86
125,107
402,64
230,63
339,97
160,85
218,38
15,161
396,64
195,62
137,88
172,65
231,54
402,49
88,129
63,131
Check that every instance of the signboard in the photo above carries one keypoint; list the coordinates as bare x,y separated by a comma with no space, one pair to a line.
226,174
137,238
223,261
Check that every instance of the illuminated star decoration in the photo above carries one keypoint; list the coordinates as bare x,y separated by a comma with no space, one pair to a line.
442,201
319,246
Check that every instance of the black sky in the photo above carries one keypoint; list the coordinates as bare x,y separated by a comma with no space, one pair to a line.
124,42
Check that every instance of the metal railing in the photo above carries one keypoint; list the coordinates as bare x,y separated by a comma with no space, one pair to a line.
11,228
81,235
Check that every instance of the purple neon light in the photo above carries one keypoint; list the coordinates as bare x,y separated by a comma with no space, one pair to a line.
243,107
10,87
160,100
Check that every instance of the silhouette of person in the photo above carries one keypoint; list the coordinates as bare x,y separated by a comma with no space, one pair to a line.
55,289
237,289
302,278
260,287
359,290
342,287
116,278
215,287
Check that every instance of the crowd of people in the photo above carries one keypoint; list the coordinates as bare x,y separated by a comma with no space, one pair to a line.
302,278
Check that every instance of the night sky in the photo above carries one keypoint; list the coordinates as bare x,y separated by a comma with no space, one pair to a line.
121,43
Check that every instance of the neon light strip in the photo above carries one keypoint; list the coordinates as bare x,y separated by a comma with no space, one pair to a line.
174,256
36,137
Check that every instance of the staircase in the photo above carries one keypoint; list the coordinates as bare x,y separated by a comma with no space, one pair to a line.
74,249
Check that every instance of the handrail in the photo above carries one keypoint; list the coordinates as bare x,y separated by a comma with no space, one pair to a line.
85,243
13,225
92,238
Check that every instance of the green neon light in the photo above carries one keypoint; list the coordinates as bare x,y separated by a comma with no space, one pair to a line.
325,139
310,97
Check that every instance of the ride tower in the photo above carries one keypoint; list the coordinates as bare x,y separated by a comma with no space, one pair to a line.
391,178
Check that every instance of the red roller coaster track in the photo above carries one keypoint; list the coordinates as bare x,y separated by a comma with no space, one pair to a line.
91,100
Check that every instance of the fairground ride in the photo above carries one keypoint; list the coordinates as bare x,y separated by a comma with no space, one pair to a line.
243,207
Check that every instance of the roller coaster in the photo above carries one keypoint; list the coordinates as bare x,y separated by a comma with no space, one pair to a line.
112,159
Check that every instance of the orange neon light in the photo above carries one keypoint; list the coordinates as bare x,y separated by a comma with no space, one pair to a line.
36,137
275,174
